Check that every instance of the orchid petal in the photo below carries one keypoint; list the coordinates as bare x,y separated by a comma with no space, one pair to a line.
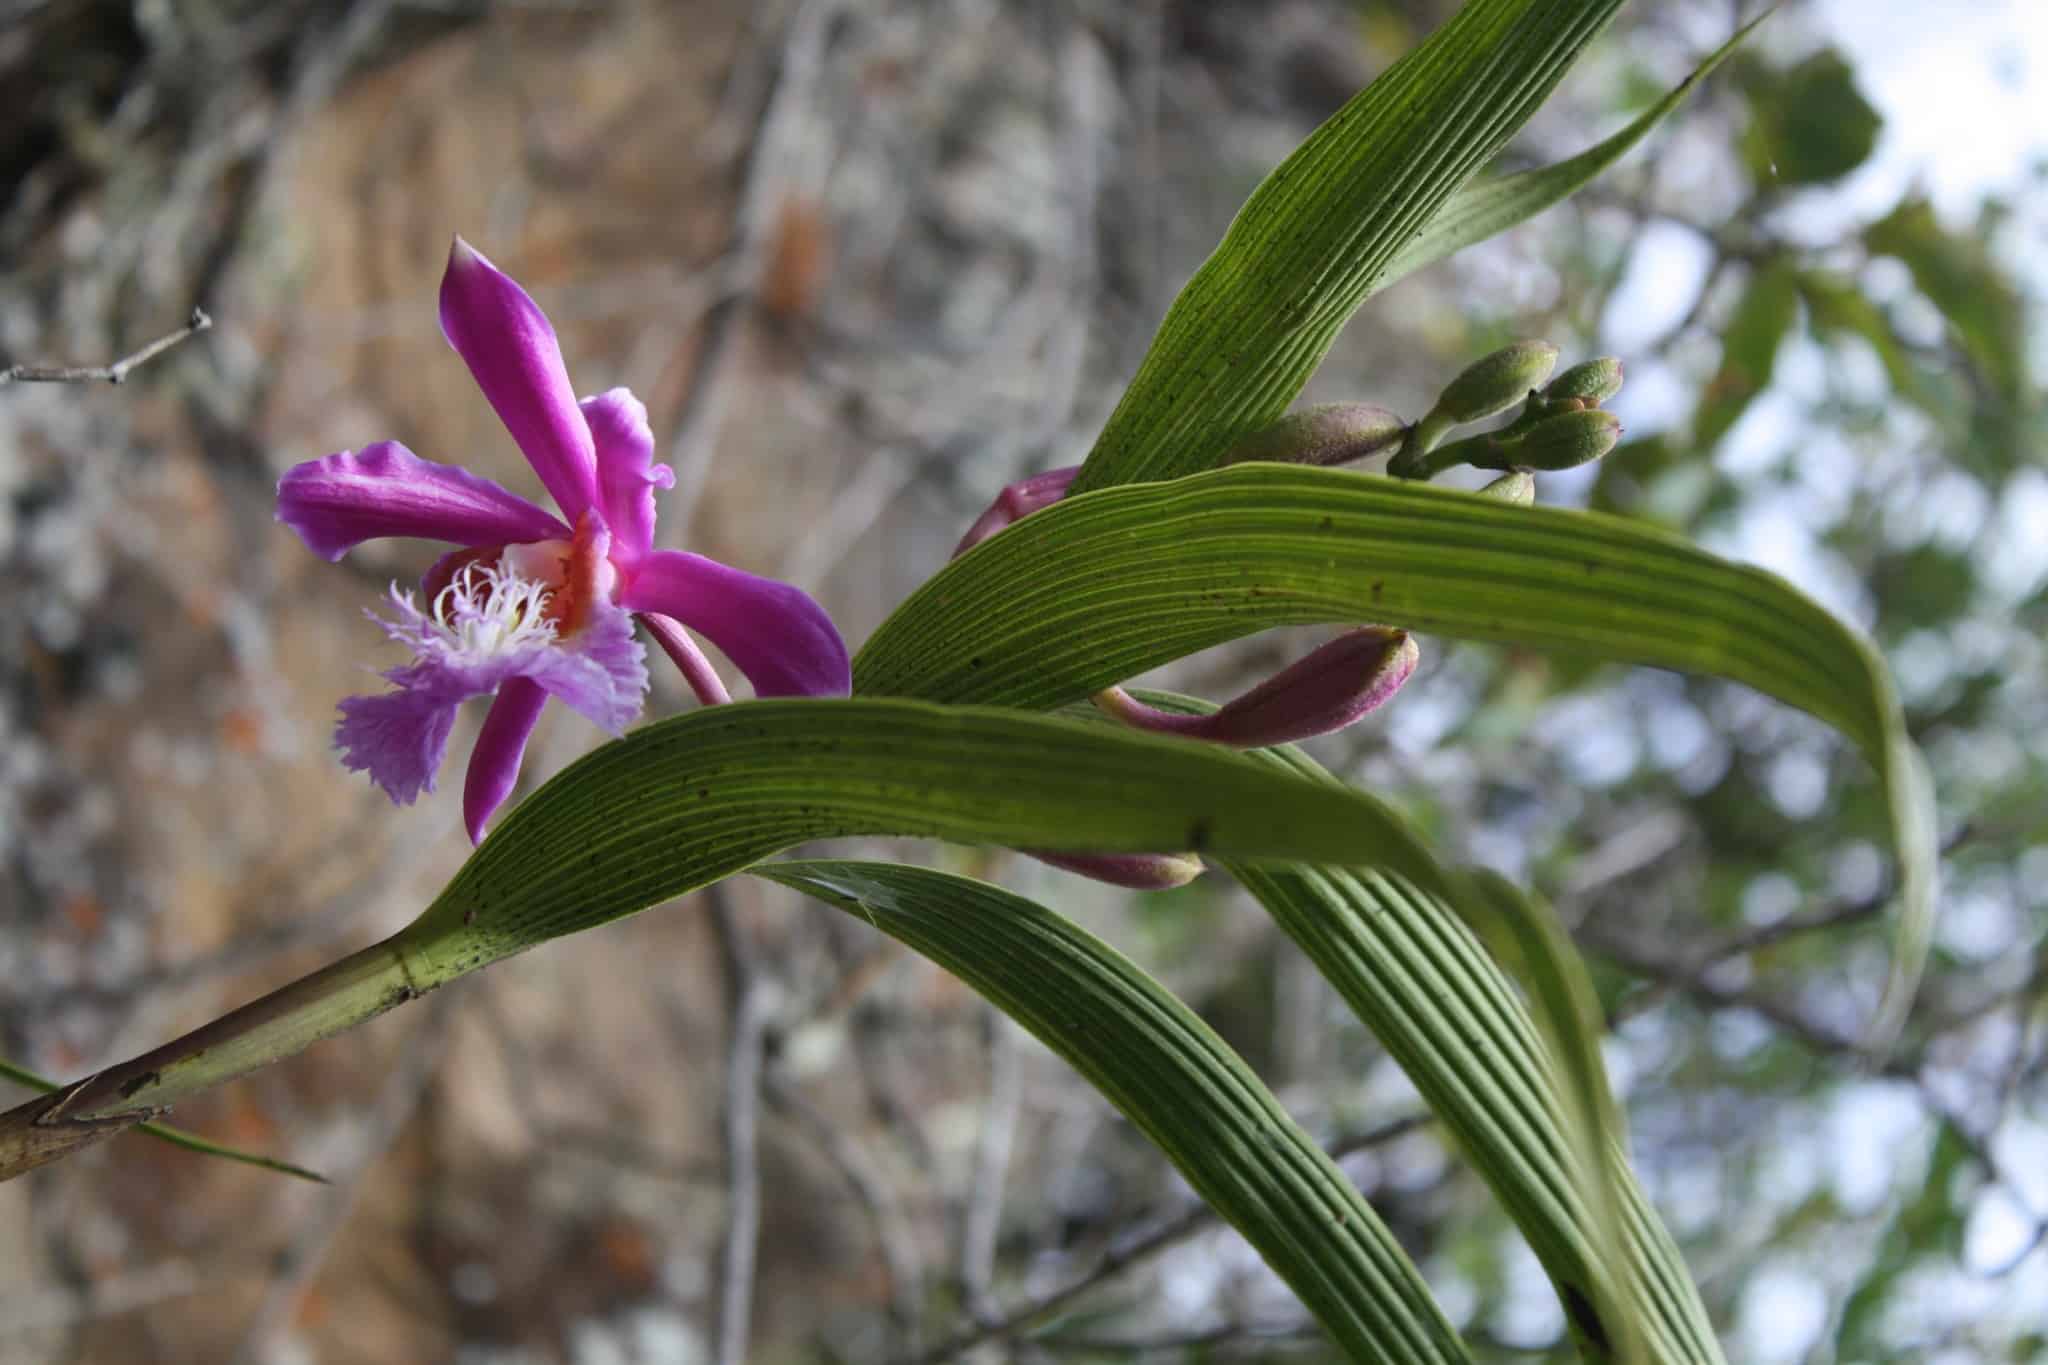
780,638
481,639
626,473
510,348
500,745
398,738
601,672
339,501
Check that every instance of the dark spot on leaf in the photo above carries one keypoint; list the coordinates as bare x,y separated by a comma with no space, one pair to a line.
974,661
1580,1309
1198,835
1377,585
1326,523
130,1086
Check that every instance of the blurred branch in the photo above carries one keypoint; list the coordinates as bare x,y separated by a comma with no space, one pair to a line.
115,373
123,1291
1688,975
300,1263
1140,1248
767,186
1231,1336
751,1006
982,1219
872,1190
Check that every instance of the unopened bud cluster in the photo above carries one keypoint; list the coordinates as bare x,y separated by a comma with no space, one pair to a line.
1561,422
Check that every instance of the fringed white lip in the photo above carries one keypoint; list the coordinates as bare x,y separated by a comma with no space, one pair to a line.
485,612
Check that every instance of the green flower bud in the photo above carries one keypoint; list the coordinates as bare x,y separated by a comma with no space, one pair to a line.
1517,486
1560,442
1327,434
1497,383
1592,383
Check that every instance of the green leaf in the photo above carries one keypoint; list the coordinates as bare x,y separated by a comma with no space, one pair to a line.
1749,351
1928,1226
1416,977
1491,206
1838,308
679,804
1528,1103
1097,589
1319,234
1808,125
1525,936
177,1137
1169,1073
1957,273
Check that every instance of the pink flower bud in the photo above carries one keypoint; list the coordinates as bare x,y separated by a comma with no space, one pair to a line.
1136,871
1323,692
1019,500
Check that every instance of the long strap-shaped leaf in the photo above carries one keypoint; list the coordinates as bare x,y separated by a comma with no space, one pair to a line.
1318,236
1171,1075
1097,589
679,804
1417,977
1525,1093
1492,205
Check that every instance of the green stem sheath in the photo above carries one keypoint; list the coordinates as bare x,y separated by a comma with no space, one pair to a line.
288,1020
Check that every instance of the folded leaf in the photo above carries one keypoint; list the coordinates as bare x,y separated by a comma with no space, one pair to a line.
1489,206
1101,587
1169,1073
1319,235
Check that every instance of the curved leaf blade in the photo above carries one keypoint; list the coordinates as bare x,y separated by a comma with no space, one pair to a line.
679,804
1318,235
1521,1087
1097,589
1487,207
1169,1073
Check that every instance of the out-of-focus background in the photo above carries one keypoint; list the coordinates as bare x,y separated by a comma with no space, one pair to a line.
867,261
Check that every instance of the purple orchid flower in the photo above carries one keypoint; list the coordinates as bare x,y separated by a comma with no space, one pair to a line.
534,605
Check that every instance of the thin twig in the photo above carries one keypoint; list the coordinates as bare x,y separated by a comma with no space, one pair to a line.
982,1220
109,374
872,1189
1672,975
1134,1251
124,1291
301,1261
1233,1335
751,1007
767,183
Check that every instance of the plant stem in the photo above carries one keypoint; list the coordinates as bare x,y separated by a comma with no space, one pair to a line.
289,1020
